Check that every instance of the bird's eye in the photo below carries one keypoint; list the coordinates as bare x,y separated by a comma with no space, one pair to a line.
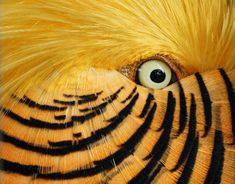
155,74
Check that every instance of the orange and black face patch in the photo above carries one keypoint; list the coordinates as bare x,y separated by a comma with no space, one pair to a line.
98,134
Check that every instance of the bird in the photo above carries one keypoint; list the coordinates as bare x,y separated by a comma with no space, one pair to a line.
98,91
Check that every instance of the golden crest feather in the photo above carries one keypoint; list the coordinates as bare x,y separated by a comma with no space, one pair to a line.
73,107
44,39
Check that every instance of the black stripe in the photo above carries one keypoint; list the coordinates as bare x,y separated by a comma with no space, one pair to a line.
130,95
60,117
70,103
111,161
30,103
61,143
169,110
149,172
115,122
190,136
32,122
206,103
154,173
26,170
146,106
89,96
79,134
86,100
42,124
100,106
158,149
217,160
188,169
68,96
183,109
103,105
163,141
129,146
88,116
97,110
101,165
82,144
113,95
32,147
231,97
110,175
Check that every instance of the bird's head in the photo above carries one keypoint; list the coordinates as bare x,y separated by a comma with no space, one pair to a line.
120,59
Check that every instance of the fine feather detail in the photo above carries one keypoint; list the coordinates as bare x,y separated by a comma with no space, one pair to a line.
69,117
42,40
129,141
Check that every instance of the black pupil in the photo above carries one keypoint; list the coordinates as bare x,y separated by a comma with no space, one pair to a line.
157,76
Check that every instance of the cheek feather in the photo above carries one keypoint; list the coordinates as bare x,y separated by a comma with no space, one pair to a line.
113,128
73,112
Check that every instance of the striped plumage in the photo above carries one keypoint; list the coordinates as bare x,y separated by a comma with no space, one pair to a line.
74,108
121,133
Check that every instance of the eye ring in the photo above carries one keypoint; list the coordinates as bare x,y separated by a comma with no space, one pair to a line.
131,70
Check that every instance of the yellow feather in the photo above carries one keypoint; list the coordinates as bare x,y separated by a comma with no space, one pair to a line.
42,40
